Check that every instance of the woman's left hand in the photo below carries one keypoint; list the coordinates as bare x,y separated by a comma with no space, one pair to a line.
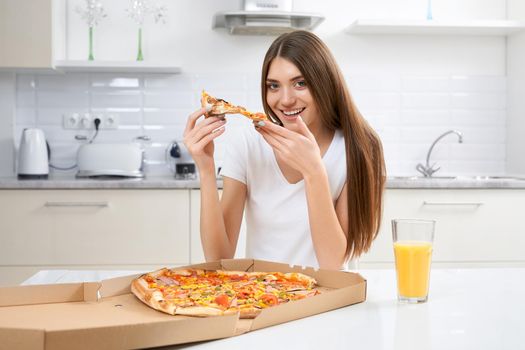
298,148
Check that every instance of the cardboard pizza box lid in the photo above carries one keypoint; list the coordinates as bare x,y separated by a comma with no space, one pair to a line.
62,320
106,315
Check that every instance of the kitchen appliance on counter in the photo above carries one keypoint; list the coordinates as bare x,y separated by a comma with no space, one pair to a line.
180,164
110,160
33,155
185,171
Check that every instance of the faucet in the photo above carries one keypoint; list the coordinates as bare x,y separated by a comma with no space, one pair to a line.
427,170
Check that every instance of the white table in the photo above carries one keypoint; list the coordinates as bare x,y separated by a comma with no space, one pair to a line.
467,309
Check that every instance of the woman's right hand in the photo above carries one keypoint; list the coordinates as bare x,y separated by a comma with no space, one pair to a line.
198,137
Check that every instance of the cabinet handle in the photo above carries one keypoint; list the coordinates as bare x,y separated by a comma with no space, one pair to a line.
77,204
477,204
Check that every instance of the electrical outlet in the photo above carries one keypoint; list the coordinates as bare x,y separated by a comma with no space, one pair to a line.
71,121
107,121
86,121
110,121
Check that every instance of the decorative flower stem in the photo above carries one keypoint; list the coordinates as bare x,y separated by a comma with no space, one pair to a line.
138,11
91,58
92,14
139,55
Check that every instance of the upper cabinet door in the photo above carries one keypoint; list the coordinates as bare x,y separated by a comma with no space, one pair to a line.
31,33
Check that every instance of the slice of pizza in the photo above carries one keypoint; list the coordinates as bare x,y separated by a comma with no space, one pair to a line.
217,106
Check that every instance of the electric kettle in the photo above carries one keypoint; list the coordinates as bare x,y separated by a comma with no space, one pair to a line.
33,155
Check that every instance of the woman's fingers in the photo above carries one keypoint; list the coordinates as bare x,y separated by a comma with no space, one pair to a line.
205,129
272,139
303,129
192,119
196,138
210,136
197,128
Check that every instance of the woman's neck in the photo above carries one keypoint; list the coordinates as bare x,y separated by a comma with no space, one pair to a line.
322,135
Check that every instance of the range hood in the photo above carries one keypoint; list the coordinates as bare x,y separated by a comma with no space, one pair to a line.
266,17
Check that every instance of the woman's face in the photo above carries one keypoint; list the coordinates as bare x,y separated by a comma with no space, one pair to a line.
288,95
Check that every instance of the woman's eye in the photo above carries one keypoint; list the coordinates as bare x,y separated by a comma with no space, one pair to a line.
272,86
300,83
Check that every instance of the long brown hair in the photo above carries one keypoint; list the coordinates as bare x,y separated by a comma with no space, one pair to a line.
365,167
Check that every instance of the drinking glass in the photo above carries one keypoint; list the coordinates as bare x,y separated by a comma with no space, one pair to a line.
413,241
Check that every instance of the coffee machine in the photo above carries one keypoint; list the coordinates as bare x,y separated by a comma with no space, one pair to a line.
33,155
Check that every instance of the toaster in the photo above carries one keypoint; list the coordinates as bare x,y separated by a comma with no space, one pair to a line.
110,159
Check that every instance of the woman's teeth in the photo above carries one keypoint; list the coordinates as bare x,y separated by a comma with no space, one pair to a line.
294,112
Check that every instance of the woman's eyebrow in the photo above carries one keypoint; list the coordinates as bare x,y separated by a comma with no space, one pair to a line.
292,79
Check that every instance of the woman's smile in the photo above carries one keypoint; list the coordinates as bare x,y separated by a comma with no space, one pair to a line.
292,114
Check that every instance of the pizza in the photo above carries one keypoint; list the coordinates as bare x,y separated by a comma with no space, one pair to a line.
197,292
217,106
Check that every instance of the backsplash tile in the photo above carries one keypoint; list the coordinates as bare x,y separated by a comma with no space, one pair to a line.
168,82
479,101
25,116
60,99
110,81
426,84
168,99
426,100
63,82
478,84
116,99
167,116
408,113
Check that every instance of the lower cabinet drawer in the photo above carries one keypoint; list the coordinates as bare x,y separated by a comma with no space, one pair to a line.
472,225
94,227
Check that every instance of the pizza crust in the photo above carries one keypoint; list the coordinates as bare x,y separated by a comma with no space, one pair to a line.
249,312
202,311
215,106
309,281
151,297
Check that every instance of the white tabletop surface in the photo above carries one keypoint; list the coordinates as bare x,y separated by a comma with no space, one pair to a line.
467,309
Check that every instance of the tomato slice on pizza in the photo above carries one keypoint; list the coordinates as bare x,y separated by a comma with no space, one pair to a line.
217,106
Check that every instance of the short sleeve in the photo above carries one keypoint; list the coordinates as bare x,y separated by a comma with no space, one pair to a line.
234,164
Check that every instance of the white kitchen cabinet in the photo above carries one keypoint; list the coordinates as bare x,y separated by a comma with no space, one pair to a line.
474,226
33,36
122,229
197,254
32,33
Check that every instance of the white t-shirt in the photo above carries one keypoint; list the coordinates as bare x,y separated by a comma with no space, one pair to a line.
276,211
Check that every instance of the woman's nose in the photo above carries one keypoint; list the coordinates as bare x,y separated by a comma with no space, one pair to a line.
288,97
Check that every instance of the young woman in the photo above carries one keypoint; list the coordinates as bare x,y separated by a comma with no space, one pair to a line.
311,181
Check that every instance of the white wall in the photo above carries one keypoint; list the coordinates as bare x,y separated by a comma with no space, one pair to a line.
410,88
516,92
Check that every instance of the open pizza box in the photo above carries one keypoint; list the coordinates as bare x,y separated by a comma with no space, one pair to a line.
106,315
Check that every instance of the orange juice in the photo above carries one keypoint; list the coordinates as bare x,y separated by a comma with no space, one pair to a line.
413,268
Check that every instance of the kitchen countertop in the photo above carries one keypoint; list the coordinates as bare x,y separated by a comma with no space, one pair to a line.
71,182
467,309
169,182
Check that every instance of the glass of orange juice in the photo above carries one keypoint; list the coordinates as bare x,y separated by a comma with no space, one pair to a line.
413,240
